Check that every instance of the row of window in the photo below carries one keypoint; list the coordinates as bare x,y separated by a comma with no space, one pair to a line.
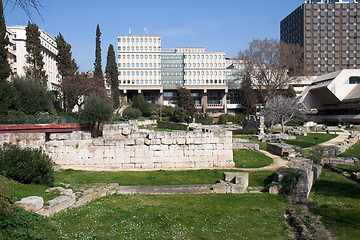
194,73
140,82
203,56
207,81
202,65
139,48
211,81
138,57
191,50
138,65
139,73
139,40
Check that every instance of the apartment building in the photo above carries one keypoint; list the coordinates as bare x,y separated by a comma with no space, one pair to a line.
328,31
19,60
145,67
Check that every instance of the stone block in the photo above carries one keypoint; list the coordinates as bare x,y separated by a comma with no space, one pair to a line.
139,141
221,188
238,188
32,203
167,141
155,141
180,141
129,142
85,136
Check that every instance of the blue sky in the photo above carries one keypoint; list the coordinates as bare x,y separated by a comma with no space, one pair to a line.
219,25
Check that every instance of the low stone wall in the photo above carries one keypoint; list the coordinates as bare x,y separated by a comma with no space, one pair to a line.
296,181
352,161
124,147
239,143
281,149
342,147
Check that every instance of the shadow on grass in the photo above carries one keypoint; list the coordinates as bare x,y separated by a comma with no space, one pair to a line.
337,189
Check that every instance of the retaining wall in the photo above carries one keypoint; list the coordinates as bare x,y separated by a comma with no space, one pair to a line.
124,147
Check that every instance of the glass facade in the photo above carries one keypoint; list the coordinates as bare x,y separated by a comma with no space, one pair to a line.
172,69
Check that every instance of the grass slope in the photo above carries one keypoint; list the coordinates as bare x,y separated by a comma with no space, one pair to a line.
221,216
79,178
251,159
309,140
339,204
353,151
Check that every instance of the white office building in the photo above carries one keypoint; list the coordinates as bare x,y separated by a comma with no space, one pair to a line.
145,67
19,61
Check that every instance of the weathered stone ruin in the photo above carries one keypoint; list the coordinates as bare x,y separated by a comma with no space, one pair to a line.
124,147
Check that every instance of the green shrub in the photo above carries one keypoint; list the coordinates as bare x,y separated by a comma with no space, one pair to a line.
154,117
20,224
168,111
26,165
131,113
172,126
244,131
179,115
204,119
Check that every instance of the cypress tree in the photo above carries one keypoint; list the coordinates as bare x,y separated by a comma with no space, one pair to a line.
98,74
66,64
248,96
34,48
67,68
4,42
186,101
111,71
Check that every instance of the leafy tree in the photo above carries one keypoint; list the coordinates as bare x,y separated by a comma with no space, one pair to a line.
186,101
248,95
4,42
33,96
98,73
111,71
9,98
96,111
140,103
272,65
131,113
282,110
67,68
34,48
179,115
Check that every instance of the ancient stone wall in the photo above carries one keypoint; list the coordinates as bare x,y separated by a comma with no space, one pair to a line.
124,147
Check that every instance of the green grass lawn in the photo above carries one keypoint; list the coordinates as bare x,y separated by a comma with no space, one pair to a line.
79,178
339,204
18,190
309,140
209,216
251,159
353,151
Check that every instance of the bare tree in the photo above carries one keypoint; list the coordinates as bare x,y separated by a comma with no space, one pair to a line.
272,65
30,7
282,110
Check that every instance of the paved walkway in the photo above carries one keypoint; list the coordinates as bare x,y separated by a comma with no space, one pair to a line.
335,141
278,163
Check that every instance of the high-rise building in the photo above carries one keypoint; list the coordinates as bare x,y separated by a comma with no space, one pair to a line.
20,60
328,31
145,67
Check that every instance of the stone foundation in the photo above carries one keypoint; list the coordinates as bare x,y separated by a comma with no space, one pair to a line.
124,147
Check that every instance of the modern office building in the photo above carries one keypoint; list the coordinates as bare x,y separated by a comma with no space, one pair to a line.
328,31
335,96
19,60
145,67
